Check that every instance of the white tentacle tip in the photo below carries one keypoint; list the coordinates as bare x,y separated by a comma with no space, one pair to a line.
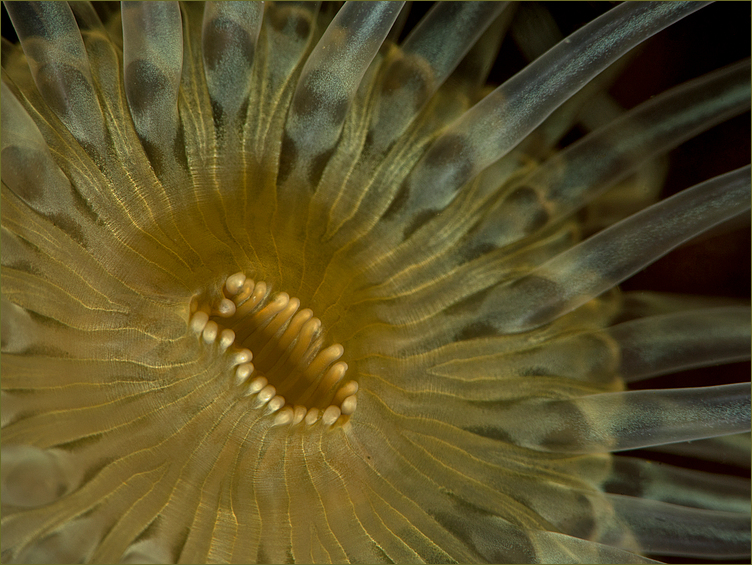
349,405
284,416
265,395
299,413
210,332
330,415
311,416
243,372
234,283
256,385
199,321
226,308
243,356
275,404
226,339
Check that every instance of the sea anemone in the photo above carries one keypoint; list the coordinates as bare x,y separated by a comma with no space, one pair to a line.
280,285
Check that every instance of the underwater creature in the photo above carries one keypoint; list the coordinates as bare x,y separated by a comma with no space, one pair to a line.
283,282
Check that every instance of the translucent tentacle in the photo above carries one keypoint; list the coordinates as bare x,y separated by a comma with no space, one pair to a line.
616,253
287,31
355,205
329,80
229,34
34,180
642,304
441,280
687,487
553,547
28,167
501,120
639,190
86,16
73,541
575,421
399,24
472,72
588,167
728,450
34,477
535,31
668,529
427,57
674,342
630,420
60,68
432,40
152,64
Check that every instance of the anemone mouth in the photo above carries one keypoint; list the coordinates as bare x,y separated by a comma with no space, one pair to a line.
278,289
276,349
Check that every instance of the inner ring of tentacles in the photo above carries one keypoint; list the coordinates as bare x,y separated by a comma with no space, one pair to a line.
277,352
